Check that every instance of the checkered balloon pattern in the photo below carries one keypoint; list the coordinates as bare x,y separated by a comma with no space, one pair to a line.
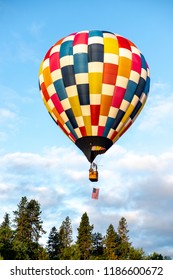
94,84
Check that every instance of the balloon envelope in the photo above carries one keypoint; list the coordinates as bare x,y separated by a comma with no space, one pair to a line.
94,85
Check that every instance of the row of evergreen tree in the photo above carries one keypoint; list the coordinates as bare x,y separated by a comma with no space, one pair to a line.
19,239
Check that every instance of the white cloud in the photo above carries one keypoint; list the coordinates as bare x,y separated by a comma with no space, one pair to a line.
158,109
159,87
6,115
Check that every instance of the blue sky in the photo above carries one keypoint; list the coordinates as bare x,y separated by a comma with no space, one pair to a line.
38,161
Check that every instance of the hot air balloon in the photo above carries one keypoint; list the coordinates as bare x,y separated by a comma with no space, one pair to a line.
94,84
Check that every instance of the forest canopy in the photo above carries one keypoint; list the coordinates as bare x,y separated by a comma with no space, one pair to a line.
20,239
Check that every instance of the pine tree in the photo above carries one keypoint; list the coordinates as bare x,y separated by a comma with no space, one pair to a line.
97,246
28,229
66,232
65,235
84,238
122,230
21,221
123,233
35,222
112,243
6,239
54,245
